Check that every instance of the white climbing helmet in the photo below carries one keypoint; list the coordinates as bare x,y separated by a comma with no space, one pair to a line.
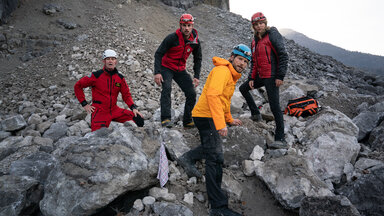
109,53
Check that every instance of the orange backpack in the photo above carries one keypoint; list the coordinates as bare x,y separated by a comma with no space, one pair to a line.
303,106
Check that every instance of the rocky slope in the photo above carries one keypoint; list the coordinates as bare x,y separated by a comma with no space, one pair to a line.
47,151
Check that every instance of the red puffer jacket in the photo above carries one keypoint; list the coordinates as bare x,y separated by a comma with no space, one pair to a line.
269,57
106,86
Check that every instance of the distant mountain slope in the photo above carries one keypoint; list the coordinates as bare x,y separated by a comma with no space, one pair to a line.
363,61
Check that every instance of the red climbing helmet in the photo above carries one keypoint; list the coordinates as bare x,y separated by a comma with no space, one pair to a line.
186,19
257,17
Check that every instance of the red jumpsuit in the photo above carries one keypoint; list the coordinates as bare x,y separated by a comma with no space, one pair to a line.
106,86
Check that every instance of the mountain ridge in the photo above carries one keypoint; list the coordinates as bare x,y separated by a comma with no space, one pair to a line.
368,62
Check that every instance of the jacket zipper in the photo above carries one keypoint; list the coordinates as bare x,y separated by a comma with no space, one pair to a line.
266,51
178,64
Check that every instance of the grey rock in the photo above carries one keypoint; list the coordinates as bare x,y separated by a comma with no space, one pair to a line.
149,200
290,93
329,120
36,166
367,163
174,143
51,8
4,135
56,131
42,127
275,153
366,192
171,209
367,121
290,180
138,205
329,153
41,141
331,143
15,148
67,24
158,193
20,195
327,206
376,138
14,123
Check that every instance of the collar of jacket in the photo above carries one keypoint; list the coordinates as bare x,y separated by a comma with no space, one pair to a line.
114,71
217,61
192,38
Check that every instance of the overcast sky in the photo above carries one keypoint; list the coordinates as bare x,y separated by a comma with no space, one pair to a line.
355,25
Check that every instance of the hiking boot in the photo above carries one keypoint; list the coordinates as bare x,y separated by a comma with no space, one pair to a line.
188,166
279,144
256,117
166,123
225,211
189,125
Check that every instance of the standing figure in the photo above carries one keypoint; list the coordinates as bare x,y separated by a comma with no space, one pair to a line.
211,116
170,63
268,67
106,85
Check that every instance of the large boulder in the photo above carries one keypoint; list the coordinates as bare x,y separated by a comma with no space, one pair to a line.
95,169
290,180
330,140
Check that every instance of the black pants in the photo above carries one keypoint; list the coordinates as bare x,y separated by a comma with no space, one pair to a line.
273,98
184,80
211,149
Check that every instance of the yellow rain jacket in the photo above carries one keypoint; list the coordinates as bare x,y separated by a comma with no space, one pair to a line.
215,100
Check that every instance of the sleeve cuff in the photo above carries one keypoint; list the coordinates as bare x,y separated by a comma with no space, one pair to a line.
133,107
84,103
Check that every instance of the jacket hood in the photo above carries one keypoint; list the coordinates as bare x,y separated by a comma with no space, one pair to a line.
217,61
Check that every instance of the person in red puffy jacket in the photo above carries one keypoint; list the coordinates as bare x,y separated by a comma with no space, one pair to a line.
268,67
106,85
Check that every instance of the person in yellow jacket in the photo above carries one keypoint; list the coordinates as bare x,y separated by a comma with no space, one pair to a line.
211,115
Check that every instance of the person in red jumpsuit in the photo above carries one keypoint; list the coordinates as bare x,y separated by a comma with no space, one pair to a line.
106,85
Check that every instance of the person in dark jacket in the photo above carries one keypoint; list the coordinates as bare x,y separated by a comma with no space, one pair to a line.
170,63
106,85
268,67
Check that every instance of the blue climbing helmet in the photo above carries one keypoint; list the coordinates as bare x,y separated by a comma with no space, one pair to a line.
242,50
